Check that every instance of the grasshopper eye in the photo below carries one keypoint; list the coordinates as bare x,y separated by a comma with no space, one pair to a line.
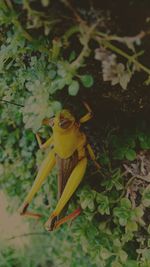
65,123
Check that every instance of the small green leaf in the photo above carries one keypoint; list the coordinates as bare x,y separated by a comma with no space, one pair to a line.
72,56
131,263
68,79
144,140
146,197
123,212
104,159
124,79
139,211
119,153
132,226
73,88
130,154
116,264
52,74
122,221
125,202
56,106
103,204
87,80
45,3
105,253
57,84
123,256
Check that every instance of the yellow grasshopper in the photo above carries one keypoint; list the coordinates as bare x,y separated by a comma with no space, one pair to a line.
69,150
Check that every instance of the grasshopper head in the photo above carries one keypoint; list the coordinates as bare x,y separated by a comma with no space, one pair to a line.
64,119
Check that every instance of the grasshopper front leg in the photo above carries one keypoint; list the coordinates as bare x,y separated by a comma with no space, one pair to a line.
92,155
88,115
43,172
45,145
72,184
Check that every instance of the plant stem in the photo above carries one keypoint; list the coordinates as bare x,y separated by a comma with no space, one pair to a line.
73,10
9,4
24,32
71,31
86,33
17,23
12,103
27,234
117,50
124,39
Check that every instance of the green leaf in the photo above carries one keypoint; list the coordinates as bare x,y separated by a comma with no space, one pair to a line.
131,263
139,211
45,3
146,254
105,253
87,80
144,140
73,88
52,74
125,202
87,197
72,56
146,197
68,78
123,256
124,79
130,154
123,212
103,204
116,264
132,226
57,84
119,153
56,106
104,159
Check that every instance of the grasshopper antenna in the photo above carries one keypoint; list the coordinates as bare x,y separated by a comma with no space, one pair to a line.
12,103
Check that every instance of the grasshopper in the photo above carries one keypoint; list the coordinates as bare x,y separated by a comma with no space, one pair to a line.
69,149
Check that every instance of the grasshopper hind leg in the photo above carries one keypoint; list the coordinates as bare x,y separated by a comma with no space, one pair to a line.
43,173
71,185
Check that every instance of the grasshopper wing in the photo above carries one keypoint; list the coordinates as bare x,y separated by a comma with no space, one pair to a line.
65,168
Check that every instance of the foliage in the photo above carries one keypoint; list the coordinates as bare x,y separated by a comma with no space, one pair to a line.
41,64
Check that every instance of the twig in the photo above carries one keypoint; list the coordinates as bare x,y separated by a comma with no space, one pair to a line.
24,32
9,102
27,234
17,23
87,37
145,178
76,15
9,4
124,39
26,5
117,50
71,31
